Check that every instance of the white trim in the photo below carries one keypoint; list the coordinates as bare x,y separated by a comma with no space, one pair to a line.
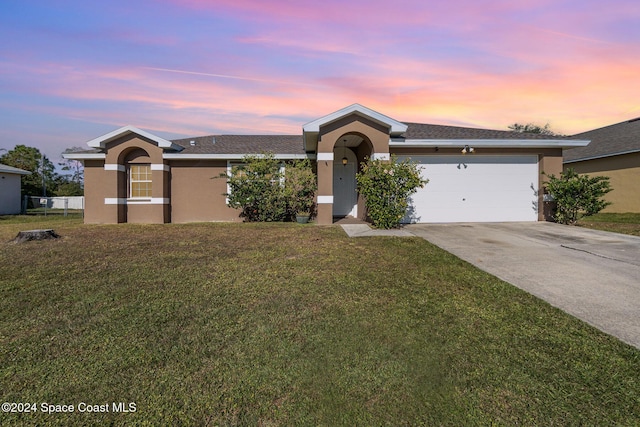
149,201
160,167
326,157
141,201
601,156
230,165
101,141
84,156
489,143
115,201
325,199
311,130
381,156
238,156
395,126
13,171
114,167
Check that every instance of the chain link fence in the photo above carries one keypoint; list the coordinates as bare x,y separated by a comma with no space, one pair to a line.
38,205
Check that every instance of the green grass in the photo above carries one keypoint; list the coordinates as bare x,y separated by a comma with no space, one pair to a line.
283,324
626,223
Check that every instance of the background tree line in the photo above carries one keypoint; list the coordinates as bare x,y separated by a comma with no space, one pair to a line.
44,179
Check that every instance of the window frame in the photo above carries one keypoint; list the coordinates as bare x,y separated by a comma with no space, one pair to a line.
131,181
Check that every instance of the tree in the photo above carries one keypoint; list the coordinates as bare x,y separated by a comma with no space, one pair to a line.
577,195
71,184
533,128
386,187
32,160
263,191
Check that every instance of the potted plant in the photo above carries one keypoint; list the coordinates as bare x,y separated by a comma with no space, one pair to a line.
302,217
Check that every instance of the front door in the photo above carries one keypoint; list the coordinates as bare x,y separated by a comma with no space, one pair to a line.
345,198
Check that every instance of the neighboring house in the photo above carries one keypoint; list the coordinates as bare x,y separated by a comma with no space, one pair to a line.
10,183
614,151
134,176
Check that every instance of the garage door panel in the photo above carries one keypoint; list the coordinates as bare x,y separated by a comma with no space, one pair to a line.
476,188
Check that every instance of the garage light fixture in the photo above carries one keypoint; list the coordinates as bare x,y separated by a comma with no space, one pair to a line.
467,149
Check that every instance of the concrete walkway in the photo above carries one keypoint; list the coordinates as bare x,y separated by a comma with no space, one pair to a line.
363,230
590,274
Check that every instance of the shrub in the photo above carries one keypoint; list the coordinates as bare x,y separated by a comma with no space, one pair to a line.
577,195
299,186
265,191
386,186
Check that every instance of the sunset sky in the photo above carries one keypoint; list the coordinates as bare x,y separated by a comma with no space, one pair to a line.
72,70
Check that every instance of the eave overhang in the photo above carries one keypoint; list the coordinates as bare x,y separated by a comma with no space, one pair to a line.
602,156
84,156
311,130
488,143
101,141
238,156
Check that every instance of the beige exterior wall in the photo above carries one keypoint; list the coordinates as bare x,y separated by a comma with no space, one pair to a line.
98,185
374,134
624,176
198,192
194,192
101,184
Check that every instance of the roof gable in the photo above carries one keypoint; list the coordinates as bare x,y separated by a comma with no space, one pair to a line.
613,140
101,141
395,126
310,130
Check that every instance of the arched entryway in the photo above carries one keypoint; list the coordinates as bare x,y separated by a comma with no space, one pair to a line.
349,151
345,196
367,134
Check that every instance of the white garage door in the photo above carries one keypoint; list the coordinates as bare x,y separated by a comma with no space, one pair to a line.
476,188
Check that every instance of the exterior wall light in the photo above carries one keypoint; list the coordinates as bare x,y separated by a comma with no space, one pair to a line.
467,149
345,161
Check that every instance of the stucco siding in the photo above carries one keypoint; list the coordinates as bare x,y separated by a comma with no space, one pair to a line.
99,184
146,213
197,192
624,176
374,133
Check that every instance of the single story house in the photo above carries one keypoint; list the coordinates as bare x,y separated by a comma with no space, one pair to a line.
10,185
474,174
614,151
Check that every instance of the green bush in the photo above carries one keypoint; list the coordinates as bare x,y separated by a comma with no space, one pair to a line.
577,195
386,186
265,191
300,187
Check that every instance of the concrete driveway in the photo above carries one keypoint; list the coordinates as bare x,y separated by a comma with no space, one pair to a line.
590,274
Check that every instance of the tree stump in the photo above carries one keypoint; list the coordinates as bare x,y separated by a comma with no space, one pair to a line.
29,235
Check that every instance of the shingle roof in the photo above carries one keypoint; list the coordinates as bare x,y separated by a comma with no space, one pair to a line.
293,144
607,141
427,131
11,169
241,144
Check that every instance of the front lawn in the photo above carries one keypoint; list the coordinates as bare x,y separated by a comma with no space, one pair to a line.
626,223
283,324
